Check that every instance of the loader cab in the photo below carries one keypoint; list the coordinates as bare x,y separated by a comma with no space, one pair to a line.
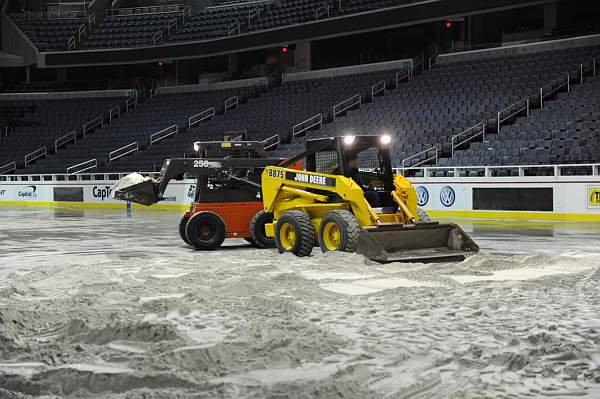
221,188
365,159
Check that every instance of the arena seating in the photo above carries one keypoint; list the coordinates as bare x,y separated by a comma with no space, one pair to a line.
421,115
357,6
136,126
214,22
453,97
39,123
566,130
276,111
133,30
231,17
49,34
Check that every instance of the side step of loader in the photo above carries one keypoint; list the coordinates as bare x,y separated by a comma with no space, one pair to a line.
421,242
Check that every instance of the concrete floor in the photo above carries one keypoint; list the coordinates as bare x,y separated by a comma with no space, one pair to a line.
34,236
114,305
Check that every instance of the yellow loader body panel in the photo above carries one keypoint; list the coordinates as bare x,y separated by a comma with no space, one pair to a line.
384,236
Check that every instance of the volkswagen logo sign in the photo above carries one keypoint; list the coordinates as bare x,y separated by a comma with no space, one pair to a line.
447,196
422,196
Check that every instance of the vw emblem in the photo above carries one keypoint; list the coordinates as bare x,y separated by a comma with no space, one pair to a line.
447,196
422,196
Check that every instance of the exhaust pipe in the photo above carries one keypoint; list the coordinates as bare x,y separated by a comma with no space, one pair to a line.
421,242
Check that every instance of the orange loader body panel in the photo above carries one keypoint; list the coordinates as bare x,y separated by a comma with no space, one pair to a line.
236,215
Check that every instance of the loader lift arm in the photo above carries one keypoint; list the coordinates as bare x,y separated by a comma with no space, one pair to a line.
149,192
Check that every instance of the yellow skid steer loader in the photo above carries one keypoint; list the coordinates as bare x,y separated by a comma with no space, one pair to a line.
348,199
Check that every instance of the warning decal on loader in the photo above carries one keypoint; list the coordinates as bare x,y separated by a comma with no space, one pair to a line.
311,179
593,197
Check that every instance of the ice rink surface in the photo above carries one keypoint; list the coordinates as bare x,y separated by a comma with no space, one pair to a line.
110,305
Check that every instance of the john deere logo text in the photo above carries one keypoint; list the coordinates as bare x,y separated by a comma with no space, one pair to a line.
594,197
320,180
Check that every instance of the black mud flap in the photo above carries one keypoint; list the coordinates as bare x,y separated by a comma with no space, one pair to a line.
421,242
144,192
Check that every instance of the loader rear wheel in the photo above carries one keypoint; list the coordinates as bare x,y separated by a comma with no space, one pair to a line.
205,231
182,225
339,231
295,233
257,227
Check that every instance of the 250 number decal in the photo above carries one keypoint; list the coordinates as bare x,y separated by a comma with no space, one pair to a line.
199,163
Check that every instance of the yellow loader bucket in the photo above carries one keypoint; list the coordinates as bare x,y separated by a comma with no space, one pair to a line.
421,242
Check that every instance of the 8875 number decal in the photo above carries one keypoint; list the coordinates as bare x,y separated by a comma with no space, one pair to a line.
278,174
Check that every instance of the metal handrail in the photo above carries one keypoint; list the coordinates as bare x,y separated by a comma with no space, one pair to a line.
230,103
9,167
346,104
271,142
322,10
404,74
515,112
233,28
172,24
595,169
163,134
49,14
435,157
157,37
32,156
92,163
71,136
564,81
255,13
556,169
92,124
131,102
129,148
313,121
464,132
114,111
159,9
91,21
202,116
377,88
81,33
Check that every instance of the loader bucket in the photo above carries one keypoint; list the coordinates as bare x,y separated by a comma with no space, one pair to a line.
421,242
136,188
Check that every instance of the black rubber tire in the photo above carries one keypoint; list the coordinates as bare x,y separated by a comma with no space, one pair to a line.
423,216
182,225
257,228
250,241
304,230
349,229
206,241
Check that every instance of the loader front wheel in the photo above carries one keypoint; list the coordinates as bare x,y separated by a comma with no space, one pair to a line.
257,228
339,231
182,225
205,231
295,233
